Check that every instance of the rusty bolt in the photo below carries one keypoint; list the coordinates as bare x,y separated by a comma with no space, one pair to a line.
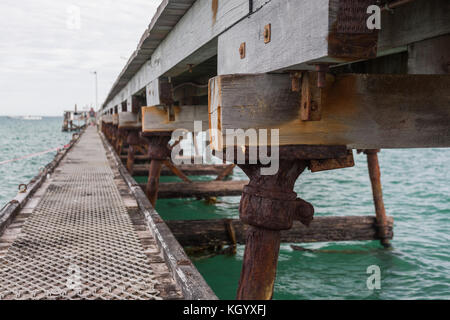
242,50
267,33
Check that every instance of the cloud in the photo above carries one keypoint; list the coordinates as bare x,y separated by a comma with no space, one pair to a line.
48,50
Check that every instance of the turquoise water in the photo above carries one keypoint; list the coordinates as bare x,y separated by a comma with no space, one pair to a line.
416,191
22,137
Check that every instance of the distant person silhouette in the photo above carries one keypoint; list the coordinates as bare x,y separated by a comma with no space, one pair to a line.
92,117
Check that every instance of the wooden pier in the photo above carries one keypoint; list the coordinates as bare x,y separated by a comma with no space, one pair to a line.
309,74
85,225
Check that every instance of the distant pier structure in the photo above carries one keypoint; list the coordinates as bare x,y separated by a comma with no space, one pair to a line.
74,120
309,76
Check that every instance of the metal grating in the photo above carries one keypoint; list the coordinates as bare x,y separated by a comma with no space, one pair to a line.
79,243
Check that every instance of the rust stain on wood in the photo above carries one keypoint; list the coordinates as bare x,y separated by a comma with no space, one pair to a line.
214,7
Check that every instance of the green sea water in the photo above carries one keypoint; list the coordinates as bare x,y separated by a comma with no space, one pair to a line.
416,185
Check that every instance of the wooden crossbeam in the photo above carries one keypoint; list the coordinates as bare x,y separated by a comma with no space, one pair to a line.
357,110
307,32
128,120
322,229
199,189
170,118
188,169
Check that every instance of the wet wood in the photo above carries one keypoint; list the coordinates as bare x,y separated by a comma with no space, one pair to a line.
377,192
259,265
199,189
213,232
331,164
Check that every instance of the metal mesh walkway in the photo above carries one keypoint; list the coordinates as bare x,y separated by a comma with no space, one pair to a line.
79,243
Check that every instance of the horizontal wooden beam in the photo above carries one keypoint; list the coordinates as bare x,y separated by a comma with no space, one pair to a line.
187,169
107,118
171,118
359,111
198,233
307,32
129,120
200,189
188,160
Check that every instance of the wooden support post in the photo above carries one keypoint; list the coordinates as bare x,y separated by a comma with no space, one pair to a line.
168,163
225,172
153,180
374,173
133,141
158,151
268,205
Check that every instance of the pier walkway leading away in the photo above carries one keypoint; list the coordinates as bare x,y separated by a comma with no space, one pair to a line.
82,236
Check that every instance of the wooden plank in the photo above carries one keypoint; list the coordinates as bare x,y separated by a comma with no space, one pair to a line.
129,120
303,32
107,118
188,169
358,110
430,56
200,189
156,119
214,232
413,22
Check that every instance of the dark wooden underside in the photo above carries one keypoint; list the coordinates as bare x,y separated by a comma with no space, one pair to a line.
199,189
199,233
187,169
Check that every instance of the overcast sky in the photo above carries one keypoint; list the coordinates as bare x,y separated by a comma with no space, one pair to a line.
48,49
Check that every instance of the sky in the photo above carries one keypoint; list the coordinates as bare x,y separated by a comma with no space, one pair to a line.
49,49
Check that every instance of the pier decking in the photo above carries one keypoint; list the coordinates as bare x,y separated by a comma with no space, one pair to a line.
82,236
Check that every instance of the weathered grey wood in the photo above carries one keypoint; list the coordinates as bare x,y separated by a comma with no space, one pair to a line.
213,232
129,120
107,118
156,119
413,22
200,189
358,110
300,34
430,56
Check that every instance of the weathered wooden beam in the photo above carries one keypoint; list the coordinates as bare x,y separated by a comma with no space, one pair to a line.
200,189
430,56
188,160
107,118
358,110
188,169
307,32
170,118
213,232
129,120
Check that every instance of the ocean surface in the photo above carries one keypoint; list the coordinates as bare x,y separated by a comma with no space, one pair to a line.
416,186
